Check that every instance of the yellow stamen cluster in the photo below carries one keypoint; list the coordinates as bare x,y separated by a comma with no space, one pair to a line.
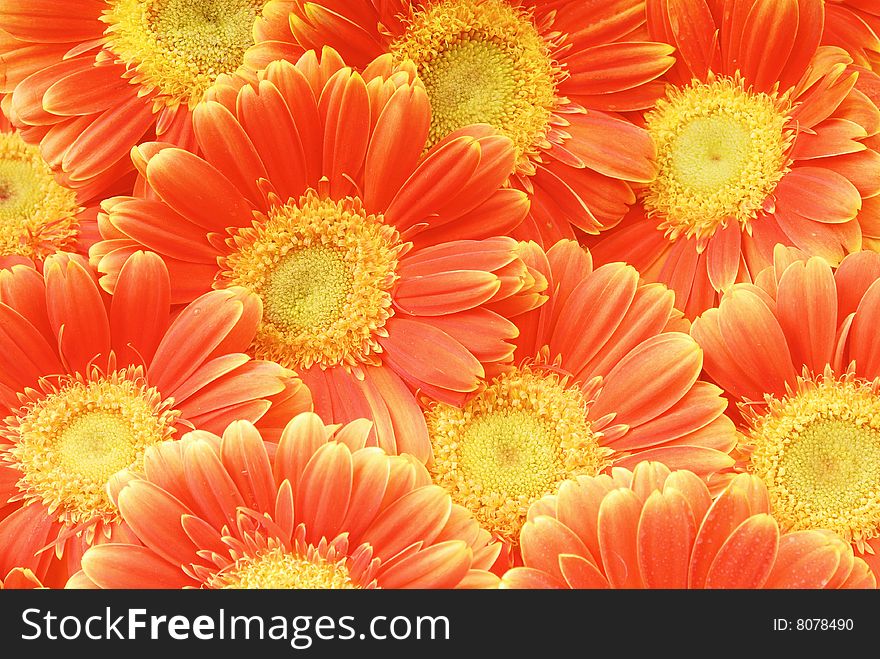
71,441
37,215
483,61
721,150
180,47
324,270
513,443
818,451
277,569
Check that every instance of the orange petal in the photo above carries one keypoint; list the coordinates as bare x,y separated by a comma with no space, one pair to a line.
300,440
720,361
723,257
612,147
274,135
108,138
806,304
650,379
197,190
25,356
322,494
228,148
665,538
420,352
370,473
396,144
154,516
806,559
445,168
445,292
193,336
213,492
701,405
417,516
405,430
864,348
139,311
543,539
746,558
529,578
442,565
853,277
752,333
692,30
581,573
345,106
131,566
612,67
618,538
818,194
605,295
76,312
768,41
244,456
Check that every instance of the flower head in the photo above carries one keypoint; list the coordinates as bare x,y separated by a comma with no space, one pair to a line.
656,528
367,252
88,386
324,512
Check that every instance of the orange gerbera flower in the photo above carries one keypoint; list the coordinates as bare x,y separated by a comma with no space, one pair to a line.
326,512
86,386
20,579
313,187
799,352
553,76
39,215
762,138
92,78
652,528
854,25
599,381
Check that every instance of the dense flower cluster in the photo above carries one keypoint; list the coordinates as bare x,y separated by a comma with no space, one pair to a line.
439,294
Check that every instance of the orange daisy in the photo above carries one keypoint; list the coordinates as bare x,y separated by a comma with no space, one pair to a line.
599,380
324,512
554,76
312,192
656,528
89,79
86,385
39,215
763,137
799,353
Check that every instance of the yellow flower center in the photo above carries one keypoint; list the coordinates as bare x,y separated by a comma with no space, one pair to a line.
324,270
513,443
180,47
71,441
721,150
37,215
818,451
276,568
483,61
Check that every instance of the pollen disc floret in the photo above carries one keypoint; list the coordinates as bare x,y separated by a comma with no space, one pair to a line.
512,444
69,442
483,62
324,270
277,568
818,451
721,150
37,215
180,47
